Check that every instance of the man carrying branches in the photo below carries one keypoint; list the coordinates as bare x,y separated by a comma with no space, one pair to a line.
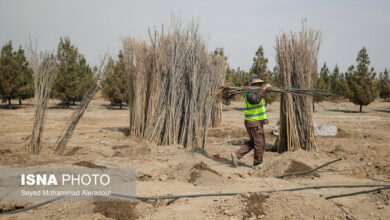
255,118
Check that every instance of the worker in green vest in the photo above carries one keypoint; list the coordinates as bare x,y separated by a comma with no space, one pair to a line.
255,119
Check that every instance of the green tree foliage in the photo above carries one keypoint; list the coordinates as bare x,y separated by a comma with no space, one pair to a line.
323,81
15,75
115,87
260,68
26,89
276,74
237,77
74,76
338,85
361,81
384,84
220,52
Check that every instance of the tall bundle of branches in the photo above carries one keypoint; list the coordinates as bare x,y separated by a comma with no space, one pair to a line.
173,81
296,55
79,112
45,70
216,112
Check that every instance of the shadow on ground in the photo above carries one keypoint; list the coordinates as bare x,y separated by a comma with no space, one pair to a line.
61,106
14,106
344,111
114,107
220,160
124,130
383,111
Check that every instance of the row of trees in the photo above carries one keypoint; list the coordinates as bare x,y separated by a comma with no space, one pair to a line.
359,83
16,77
73,78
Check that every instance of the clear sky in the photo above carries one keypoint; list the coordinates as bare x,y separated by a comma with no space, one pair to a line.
239,26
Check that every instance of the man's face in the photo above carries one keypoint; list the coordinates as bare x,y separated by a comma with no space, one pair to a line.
257,84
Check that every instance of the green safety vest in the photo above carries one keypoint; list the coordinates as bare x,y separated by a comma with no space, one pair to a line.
255,112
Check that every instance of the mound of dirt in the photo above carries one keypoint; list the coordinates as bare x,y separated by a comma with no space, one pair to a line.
197,174
116,209
297,166
139,209
201,174
10,206
284,166
254,205
178,172
5,151
88,164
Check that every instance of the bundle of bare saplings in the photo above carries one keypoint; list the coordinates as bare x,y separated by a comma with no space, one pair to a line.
173,83
296,56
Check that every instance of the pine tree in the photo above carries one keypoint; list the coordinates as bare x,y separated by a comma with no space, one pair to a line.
384,84
84,78
276,76
8,73
361,81
323,81
115,87
337,82
26,89
260,68
74,74
15,75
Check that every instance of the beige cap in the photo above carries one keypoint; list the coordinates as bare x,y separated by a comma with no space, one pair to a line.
256,81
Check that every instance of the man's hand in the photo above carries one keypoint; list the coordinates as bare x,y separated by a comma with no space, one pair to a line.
267,86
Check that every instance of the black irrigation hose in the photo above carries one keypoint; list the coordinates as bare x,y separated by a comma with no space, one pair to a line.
233,194
33,206
202,195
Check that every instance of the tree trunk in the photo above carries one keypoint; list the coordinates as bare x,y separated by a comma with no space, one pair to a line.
120,105
9,103
73,102
361,106
20,101
314,108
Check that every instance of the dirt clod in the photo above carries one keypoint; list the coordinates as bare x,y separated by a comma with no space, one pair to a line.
6,207
116,209
144,177
297,166
88,164
72,151
117,147
5,151
254,205
200,170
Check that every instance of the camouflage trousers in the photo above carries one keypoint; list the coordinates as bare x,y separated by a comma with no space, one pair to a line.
256,142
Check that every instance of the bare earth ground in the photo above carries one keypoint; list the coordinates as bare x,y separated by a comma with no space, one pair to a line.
102,138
